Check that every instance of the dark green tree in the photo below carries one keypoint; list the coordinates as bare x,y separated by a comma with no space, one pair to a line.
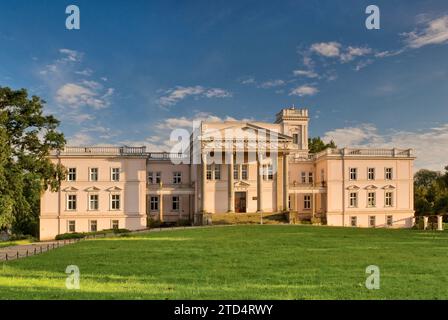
316,145
27,137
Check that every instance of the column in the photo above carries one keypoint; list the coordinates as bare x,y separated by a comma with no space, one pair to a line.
285,182
259,185
440,223
203,179
425,223
160,204
231,195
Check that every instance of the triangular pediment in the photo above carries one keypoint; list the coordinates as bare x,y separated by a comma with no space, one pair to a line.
371,187
241,184
388,187
244,126
92,189
111,189
352,188
70,189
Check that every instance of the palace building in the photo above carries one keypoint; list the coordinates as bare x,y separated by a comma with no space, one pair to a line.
231,167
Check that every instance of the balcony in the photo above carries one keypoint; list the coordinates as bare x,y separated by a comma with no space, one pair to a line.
353,152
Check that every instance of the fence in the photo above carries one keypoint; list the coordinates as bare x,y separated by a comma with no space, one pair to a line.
29,250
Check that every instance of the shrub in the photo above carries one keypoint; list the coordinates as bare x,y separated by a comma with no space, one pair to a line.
316,220
67,236
183,223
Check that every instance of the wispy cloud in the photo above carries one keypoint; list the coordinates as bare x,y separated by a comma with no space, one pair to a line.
304,90
305,73
272,84
434,32
173,96
87,94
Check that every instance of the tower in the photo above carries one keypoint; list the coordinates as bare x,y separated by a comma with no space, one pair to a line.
294,123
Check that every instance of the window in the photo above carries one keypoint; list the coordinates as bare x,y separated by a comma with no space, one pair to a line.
217,171
154,204
371,173
289,202
209,172
93,202
310,177
303,179
72,226
154,177
353,221
115,202
322,175
389,174
389,221
115,224
236,172
371,199
115,176
372,221
93,174
353,173
307,202
71,202
268,172
388,199
93,226
175,203
71,176
353,199
295,138
244,172
177,177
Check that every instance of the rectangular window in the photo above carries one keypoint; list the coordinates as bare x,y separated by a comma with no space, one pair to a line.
93,226
93,202
371,173
236,172
389,221
154,204
353,199
353,221
389,199
295,138
71,202
310,177
115,176
209,172
303,179
244,172
93,174
177,177
71,175
322,175
389,174
175,203
217,171
72,226
371,199
307,202
372,221
115,224
268,172
150,177
115,202
353,173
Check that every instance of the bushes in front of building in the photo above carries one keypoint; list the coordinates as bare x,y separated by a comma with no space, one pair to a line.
81,235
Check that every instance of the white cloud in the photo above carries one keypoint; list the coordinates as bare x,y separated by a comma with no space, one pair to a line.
247,80
173,96
434,32
77,95
326,49
305,90
85,72
430,145
272,84
353,52
71,55
305,73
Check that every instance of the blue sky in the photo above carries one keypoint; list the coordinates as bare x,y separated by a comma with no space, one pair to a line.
137,69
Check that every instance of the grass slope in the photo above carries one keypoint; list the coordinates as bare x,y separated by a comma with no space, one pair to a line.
239,262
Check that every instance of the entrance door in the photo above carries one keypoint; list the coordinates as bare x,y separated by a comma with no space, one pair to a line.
240,201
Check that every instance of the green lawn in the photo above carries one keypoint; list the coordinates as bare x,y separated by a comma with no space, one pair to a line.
240,262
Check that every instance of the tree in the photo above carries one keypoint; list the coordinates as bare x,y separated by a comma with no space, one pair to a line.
316,145
27,137
430,192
